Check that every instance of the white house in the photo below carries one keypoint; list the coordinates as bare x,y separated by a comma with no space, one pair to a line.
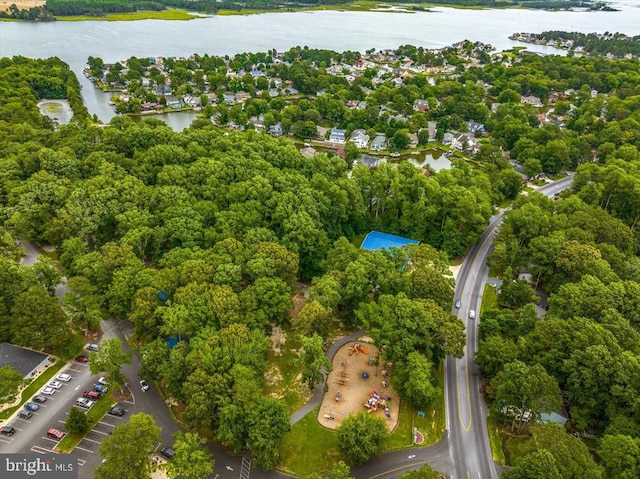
360,138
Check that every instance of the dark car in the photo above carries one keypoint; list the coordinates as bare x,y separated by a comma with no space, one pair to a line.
25,414
40,399
116,411
82,359
458,304
93,395
167,452
7,431
100,388
31,406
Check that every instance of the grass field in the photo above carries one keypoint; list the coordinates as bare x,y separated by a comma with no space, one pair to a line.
489,299
495,440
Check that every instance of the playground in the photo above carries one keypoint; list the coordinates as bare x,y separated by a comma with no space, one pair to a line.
357,383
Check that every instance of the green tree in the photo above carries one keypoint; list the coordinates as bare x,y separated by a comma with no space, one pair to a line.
313,318
192,460
125,452
620,456
10,382
417,383
535,466
314,362
110,359
267,422
526,389
77,422
339,470
47,274
360,437
425,472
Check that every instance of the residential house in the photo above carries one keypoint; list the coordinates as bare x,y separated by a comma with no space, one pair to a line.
337,136
475,128
368,160
413,140
433,128
360,138
242,96
276,130
352,104
229,98
420,105
175,103
379,143
308,152
531,100
447,139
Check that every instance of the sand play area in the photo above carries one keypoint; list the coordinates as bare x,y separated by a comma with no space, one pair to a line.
352,383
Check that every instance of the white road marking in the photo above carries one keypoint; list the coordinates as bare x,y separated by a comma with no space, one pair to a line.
83,449
91,440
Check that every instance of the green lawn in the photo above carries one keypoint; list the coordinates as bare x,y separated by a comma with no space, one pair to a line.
495,438
95,414
33,388
309,447
489,299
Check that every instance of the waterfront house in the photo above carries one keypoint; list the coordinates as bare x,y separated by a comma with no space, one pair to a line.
360,138
337,136
379,143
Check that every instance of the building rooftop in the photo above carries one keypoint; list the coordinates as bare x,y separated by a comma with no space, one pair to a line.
22,360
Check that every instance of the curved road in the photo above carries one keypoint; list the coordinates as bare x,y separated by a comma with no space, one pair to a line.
469,449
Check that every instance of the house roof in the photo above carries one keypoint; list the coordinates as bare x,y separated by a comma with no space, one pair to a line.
376,240
22,360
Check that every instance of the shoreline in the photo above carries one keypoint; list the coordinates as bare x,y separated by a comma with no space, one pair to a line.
177,14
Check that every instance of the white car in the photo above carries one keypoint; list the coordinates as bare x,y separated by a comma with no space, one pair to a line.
48,391
472,314
144,385
63,377
55,384
85,403
103,381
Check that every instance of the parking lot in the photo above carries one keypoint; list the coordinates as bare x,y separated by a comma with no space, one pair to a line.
31,433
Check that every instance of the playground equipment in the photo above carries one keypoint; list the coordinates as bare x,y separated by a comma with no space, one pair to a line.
357,349
376,401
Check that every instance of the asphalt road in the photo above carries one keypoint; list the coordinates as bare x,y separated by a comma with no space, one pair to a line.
470,453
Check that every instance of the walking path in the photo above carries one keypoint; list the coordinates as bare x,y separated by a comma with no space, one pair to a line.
318,391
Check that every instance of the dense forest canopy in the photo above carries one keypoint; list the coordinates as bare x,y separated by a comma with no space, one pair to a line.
203,234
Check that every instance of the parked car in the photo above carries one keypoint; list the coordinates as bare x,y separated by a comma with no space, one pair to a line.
472,314
55,384
63,377
25,414
103,381
56,434
7,431
92,347
85,403
167,452
48,391
100,388
117,411
144,385
93,395
31,406
40,399
82,359
458,304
